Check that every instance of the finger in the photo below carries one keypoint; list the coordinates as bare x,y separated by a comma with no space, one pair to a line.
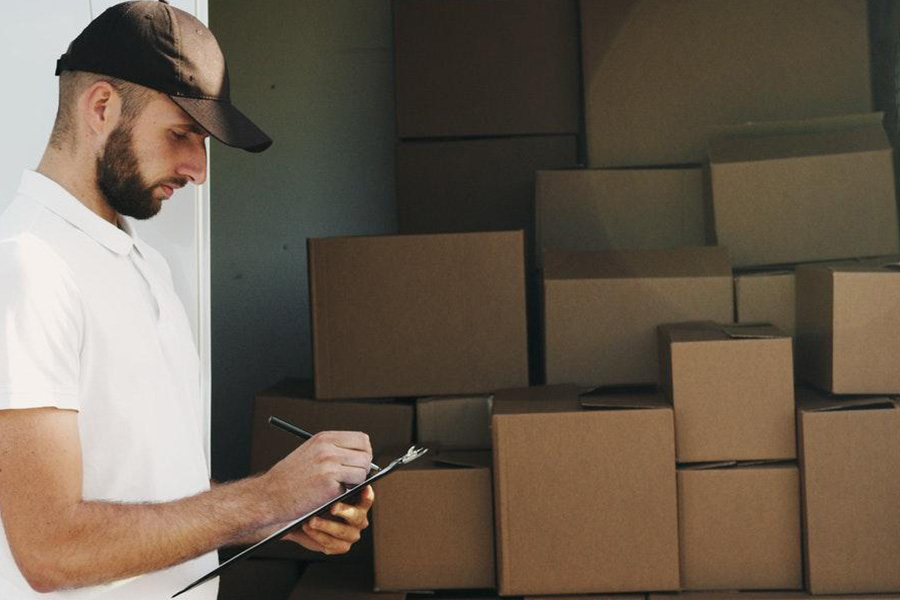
352,515
336,529
329,544
350,440
354,458
352,475
298,536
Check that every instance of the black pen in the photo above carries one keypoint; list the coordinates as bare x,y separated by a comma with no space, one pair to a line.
303,434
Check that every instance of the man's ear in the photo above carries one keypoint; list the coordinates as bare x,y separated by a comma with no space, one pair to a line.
100,109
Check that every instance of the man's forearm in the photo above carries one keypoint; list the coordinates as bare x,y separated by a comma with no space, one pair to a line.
97,542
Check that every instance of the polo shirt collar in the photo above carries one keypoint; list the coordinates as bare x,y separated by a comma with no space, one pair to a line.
55,198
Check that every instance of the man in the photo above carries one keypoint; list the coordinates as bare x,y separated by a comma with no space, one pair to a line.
104,491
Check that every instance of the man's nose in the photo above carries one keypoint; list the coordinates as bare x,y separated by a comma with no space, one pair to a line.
193,163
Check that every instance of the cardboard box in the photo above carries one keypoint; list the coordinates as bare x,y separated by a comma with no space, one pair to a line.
259,578
454,423
472,68
798,192
584,492
662,77
850,469
601,309
847,319
590,597
766,297
418,315
475,185
388,424
620,209
433,525
739,526
337,581
732,387
752,595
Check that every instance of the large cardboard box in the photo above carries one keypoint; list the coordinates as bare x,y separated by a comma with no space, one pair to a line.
584,492
601,310
475,185
433,525
847,323
850,469
620,209
473,68
418,315
732,387
766,297
454,423
739,526
661,77
798,192
389,424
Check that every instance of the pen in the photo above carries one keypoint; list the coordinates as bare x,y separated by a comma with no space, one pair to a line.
303,434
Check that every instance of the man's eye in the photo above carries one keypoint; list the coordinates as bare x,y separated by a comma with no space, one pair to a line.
178,135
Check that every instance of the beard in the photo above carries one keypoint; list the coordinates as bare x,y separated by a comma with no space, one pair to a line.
120,181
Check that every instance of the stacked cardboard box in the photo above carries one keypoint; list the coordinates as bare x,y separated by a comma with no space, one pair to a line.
732,390
661,77
850,460
584,492
601,309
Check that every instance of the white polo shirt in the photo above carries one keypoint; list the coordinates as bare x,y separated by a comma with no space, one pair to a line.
89,321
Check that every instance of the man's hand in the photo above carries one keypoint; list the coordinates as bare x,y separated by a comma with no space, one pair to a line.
316,472
336,536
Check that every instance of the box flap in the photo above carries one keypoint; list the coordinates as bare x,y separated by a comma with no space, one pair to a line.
793,139
809,400
465,459
710,261
735,464
623,398
700,331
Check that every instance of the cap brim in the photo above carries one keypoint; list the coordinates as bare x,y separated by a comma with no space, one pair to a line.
225,123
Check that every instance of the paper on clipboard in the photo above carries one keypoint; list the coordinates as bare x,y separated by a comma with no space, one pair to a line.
412,454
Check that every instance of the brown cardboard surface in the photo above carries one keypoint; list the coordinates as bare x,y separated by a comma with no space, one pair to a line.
850,469
733,397
778,595
620,209
550,456
601,310
433,526
662,77
338,581
388,424
470,68
454,423
847,318
418,315
589,597
739,528
475,185
766,297
822,192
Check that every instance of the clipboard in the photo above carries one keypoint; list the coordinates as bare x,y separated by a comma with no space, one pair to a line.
412,454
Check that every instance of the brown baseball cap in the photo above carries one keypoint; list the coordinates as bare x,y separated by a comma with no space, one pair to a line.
153,44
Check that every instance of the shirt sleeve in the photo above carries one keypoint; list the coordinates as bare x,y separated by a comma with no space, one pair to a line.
41,328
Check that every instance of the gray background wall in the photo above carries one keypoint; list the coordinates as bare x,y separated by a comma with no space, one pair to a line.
317,76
